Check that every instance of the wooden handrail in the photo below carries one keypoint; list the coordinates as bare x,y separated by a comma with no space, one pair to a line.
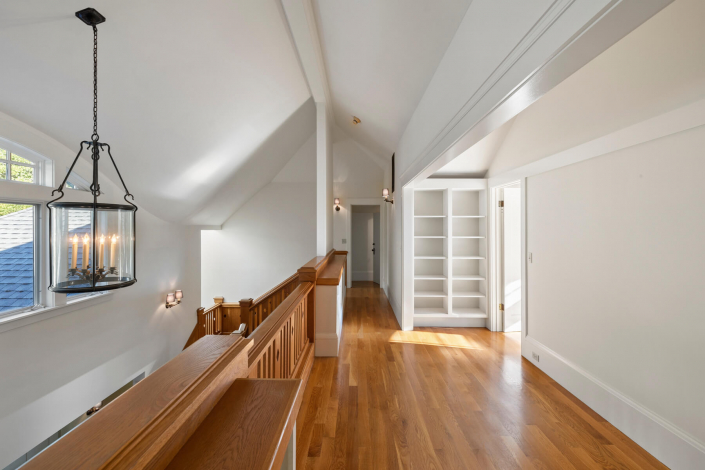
151,423
265,304
293,278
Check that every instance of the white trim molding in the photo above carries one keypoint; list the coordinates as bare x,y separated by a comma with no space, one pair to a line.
667,442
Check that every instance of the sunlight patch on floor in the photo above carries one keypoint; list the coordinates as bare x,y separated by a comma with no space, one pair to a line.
429,338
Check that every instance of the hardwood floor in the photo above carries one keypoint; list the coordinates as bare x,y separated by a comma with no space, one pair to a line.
445,399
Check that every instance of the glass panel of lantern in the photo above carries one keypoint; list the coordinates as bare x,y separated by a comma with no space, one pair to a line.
109,239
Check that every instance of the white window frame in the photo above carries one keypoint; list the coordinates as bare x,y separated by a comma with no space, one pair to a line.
42,165
47,304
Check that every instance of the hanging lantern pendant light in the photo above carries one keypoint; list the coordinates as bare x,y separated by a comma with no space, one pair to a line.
101,235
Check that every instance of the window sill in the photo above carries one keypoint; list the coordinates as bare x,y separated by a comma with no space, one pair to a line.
18,320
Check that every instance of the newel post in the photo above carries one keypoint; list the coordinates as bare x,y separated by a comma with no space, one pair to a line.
246,314
309,274
201,322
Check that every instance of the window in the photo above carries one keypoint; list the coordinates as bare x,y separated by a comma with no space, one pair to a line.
13,167
18,257
76,182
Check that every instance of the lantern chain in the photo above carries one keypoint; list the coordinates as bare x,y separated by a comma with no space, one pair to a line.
95,137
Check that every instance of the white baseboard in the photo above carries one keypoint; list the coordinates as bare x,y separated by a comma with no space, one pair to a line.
362,276
327,345
671,445
450,322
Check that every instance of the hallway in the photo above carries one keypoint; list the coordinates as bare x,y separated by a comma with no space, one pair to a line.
444,399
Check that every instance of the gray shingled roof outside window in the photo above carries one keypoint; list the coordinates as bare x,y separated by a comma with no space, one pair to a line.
17,255
17,260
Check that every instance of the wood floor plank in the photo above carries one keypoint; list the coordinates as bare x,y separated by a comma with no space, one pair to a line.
444,399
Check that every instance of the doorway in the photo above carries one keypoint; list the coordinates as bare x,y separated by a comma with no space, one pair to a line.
509,257
365,242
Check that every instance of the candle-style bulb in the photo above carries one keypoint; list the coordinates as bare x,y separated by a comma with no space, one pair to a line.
178,295
170,297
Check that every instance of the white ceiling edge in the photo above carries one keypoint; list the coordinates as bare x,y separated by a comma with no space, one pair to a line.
304,31
476,161
476,120
260,169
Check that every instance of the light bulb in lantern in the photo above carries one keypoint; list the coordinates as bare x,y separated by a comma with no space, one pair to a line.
178,295
385,193
74,251
85,251
170,298
101,260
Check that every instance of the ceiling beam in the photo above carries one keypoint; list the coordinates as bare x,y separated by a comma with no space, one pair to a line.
304,31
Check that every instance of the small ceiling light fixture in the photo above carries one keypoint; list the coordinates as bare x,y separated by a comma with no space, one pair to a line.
106,231
174,298
385,195
336,201
356,120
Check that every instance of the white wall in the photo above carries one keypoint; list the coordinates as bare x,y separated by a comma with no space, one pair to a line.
356,176
55,369
615,286
268,239
394,290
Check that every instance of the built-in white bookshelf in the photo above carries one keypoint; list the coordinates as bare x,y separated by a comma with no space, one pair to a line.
450,253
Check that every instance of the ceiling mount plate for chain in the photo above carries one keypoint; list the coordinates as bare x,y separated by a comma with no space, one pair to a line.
90,16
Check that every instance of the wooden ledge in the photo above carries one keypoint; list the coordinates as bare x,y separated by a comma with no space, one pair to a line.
331,274
249,428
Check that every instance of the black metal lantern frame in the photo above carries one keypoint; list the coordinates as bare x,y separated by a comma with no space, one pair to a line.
117,221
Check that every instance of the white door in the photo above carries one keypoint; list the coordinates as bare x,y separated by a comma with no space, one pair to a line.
511,254
362,239
375,247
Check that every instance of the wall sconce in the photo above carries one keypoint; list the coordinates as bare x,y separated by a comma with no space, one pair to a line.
336,201
385,195
174,298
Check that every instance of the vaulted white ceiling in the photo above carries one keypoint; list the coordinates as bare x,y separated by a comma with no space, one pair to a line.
188,90
380,56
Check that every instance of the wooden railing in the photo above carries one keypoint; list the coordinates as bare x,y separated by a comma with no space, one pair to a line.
254,312
282,345
177,416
